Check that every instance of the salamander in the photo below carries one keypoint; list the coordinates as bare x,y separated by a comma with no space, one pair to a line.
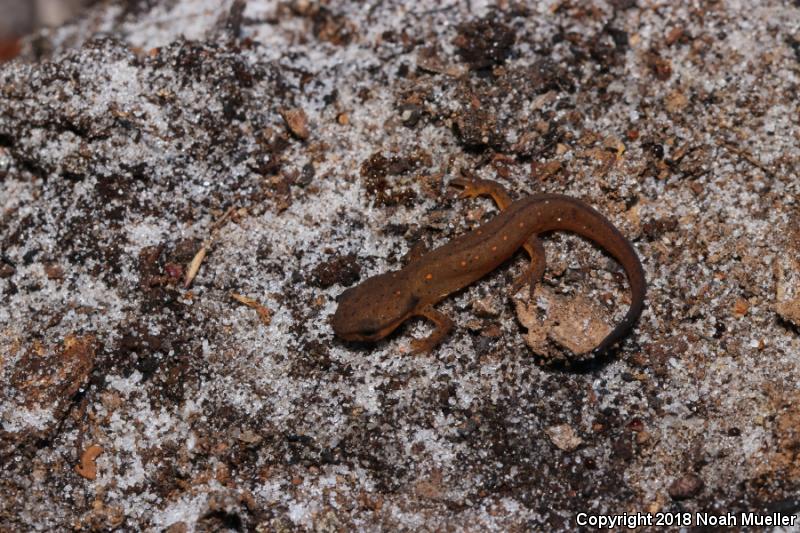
373,309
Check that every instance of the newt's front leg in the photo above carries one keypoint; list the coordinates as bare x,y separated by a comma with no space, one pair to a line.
474,187
415,253
442,326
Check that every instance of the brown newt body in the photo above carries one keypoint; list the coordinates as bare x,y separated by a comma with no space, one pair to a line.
376,307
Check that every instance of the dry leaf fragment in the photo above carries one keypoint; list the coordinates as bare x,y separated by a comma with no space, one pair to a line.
740,307
88,466
263,312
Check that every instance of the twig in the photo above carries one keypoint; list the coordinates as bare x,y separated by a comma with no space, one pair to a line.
197,260
747,156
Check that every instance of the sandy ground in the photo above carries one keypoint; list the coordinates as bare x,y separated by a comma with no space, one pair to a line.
304,147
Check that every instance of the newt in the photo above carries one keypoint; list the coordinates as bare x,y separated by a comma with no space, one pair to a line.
373,309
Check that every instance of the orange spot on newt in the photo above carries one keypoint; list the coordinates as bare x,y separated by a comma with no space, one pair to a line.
428,276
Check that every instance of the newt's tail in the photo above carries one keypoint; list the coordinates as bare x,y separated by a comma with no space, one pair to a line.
587,222
636,280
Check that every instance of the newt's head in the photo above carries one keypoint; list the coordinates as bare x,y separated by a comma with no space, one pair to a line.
374,308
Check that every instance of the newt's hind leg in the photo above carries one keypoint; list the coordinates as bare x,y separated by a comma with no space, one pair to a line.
474,187
533,275
442,326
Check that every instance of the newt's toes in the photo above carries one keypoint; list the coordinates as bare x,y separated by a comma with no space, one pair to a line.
470,189
459,182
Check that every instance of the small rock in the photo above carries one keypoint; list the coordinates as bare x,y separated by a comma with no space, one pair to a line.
564,437
5,162
101,517
174,270
685,487
429,59
659,66
485,42
740,307
474,325
54,271
467,427
623,4
486,307
545,171
787,291
430,488
248,436
342,269
571,322
476,125
675,102
297,122
673,35
177,527
6,270
306,175
410,114
492,331
543,100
